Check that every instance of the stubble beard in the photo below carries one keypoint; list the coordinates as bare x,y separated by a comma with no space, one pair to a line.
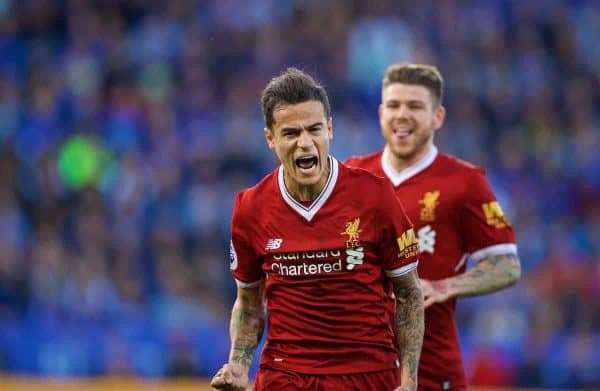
409,154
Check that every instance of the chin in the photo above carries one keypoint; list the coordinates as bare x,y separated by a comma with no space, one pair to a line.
308,181
403,152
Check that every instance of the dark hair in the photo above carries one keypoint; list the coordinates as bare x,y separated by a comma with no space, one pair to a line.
427,76
291,87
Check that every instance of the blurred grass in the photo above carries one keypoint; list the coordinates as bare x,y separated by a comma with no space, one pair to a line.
8,383
101,384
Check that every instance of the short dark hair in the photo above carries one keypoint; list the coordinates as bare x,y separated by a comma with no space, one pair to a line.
427,76
291,87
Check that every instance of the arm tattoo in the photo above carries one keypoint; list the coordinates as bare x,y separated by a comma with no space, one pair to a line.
409,324
489,275
246,329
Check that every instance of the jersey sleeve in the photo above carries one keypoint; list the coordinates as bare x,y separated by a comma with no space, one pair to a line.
244,264
398,245
485,228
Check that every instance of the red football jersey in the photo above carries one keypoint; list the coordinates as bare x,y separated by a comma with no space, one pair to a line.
455,215
326,269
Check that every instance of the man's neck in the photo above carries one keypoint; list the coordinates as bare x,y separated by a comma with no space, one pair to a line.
306,193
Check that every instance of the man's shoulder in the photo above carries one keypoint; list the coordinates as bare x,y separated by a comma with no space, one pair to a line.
457,165
365,161
454,175
362,184
361,174
264,189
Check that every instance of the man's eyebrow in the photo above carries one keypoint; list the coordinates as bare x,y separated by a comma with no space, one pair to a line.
409,101
294,128
290,128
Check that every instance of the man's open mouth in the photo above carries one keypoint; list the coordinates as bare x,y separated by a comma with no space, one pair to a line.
403,132
307,162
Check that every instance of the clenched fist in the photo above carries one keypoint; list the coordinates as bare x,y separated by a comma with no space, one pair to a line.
231,377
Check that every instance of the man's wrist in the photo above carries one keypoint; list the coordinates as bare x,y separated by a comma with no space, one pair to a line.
408,384
244,363
452,289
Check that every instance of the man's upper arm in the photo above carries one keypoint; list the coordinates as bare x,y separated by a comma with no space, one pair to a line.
244,264
406,281
506,266
484,226
398,245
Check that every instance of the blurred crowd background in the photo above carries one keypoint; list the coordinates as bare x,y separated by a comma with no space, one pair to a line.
127,127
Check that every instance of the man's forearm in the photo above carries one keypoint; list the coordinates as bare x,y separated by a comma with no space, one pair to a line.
246,329
409,323
489,275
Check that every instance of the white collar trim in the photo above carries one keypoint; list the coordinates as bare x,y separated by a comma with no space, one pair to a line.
309,212
401,176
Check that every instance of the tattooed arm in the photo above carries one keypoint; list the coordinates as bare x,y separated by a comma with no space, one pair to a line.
246,329
409,325
491,274
247,324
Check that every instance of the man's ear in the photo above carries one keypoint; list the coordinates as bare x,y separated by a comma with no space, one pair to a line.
270,138
438,117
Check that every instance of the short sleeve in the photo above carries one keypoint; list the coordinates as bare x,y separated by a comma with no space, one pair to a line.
485,228
244,264
398,245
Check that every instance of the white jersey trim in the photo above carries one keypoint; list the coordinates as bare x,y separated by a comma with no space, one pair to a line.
460,263
397,177
402,270
242,284
496,249
309,212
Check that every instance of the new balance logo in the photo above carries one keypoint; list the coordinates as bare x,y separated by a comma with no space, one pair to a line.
426,239
273,244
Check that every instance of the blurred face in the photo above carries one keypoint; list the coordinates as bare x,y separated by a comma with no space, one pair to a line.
300,137
408,119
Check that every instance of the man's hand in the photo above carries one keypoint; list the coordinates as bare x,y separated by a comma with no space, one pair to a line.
491,274
231,377
434,291
246,328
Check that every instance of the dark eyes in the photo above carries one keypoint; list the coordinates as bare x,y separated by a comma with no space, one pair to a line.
412,106
295,132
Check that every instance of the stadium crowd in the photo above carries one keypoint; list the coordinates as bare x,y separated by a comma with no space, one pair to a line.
127,127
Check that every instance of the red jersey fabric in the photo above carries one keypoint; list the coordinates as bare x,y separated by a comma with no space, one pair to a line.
326,269
271,380
455,215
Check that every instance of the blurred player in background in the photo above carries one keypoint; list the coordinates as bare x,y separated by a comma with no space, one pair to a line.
323,255
455,213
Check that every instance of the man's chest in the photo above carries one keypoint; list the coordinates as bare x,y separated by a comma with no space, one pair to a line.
427,202
341,239
434,211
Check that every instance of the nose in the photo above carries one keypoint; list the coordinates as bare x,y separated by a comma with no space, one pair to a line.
402,111
304,139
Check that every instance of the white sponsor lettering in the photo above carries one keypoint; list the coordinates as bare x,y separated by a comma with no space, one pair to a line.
354,257
426,239
308,255
305,269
